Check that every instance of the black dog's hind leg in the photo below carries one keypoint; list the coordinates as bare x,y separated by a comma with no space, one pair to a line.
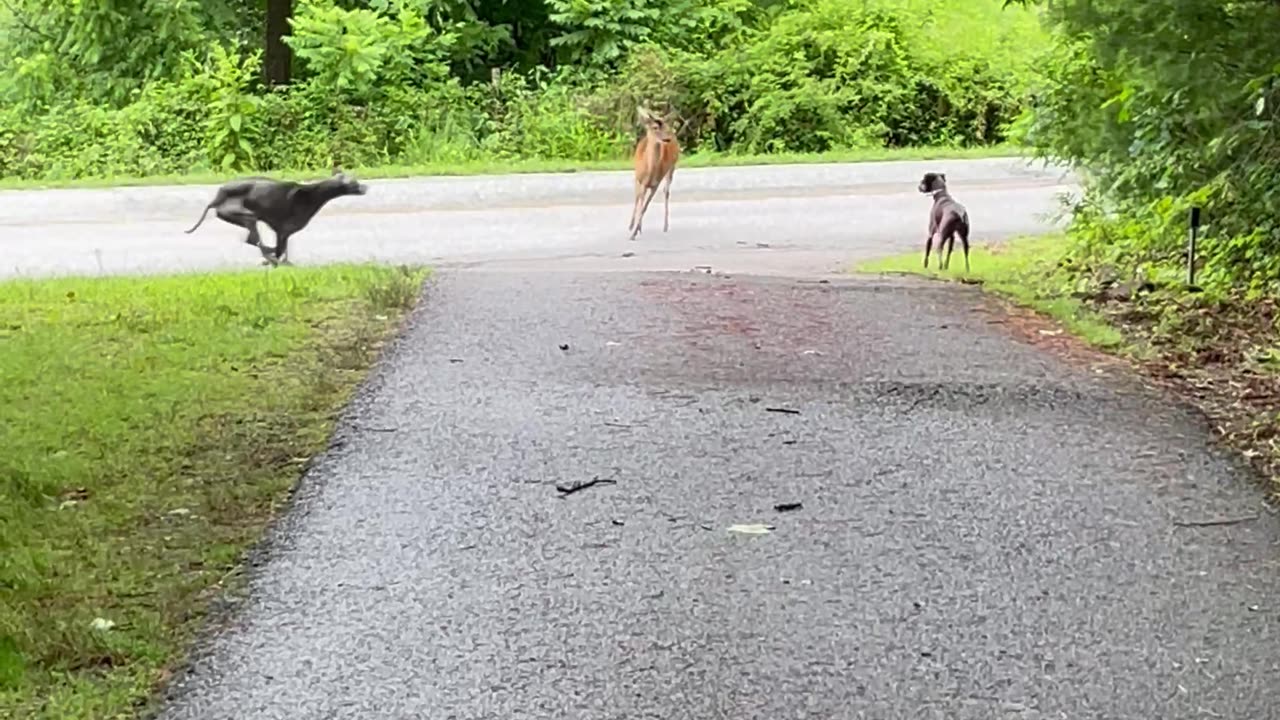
242,218
928,245
950,241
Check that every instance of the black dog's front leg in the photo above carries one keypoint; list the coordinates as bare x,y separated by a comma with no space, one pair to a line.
282,249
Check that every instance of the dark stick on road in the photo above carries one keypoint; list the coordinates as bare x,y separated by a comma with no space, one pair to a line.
579,486
1215,521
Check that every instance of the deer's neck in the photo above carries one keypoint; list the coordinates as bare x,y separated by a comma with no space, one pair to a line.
654,160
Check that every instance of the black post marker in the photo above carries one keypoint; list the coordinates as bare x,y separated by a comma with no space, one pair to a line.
1191,250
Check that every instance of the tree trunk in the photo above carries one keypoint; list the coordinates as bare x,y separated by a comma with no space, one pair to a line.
277,58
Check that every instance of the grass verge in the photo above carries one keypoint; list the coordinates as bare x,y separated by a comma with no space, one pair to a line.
508,167
1024,271
1219,351
151,427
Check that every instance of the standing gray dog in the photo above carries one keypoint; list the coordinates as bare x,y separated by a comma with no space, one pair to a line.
947,219
286,207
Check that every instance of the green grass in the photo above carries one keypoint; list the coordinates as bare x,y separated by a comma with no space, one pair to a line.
506,167
151,427
1022,270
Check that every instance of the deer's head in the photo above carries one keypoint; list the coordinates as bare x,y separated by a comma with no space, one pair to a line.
655,126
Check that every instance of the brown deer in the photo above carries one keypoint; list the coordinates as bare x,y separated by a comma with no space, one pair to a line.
655,161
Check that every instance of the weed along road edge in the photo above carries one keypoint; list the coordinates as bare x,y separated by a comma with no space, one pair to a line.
582,486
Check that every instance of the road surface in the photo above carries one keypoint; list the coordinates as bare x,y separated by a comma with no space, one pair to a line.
817,216
980,528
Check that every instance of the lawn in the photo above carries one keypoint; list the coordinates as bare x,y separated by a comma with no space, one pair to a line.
496,167
1022,270
151,427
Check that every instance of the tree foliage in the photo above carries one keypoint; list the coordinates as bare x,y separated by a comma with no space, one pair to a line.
1166,104
128,87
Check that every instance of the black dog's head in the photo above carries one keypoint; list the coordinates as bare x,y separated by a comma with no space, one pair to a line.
347,185
933,182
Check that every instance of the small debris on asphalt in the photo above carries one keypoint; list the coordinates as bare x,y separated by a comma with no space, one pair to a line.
703,268
762,245
785,411
455,361
788,442
788,506
752,529
1212,522
611,343
618,523
564,346
818,352
580,486
628,254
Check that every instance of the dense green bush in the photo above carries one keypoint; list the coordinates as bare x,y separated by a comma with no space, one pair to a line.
412,82
1166,104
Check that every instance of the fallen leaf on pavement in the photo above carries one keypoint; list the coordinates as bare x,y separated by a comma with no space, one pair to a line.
753,529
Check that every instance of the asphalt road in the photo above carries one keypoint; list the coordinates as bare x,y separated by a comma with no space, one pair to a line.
986,529
806,215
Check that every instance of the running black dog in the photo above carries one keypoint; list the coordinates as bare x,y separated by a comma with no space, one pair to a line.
286,207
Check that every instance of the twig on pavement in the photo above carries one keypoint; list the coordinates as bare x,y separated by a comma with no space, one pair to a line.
579,486
1215,521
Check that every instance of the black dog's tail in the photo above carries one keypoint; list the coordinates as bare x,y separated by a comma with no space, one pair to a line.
217,200
202,216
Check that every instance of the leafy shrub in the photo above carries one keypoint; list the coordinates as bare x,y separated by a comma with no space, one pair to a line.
378,82
1159,133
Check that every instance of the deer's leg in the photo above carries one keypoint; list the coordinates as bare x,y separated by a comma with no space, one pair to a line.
635,206
648,198
666,201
